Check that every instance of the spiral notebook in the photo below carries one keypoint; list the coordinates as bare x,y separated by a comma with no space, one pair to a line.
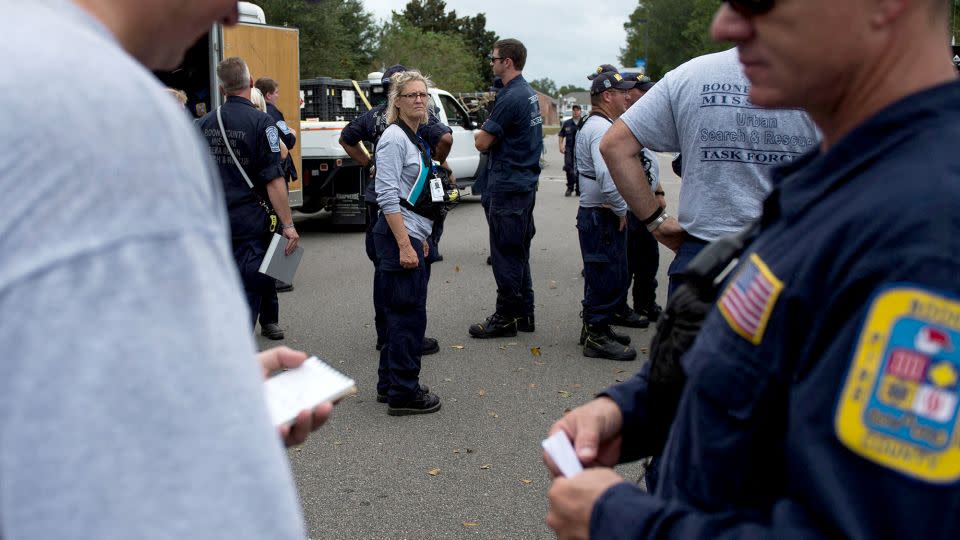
277,264
304,388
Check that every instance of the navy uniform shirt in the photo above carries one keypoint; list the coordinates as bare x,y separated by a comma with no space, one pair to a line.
822,392
287,134
568,132
255,140
370,125
514,161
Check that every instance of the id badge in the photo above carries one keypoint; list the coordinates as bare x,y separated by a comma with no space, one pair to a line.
436,189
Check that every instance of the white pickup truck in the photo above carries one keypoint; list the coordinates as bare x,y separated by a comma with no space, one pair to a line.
332,181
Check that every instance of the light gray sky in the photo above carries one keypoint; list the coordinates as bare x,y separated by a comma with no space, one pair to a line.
566,39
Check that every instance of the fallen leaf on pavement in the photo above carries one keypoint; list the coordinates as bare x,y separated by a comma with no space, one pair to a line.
538,363
535,351
563,393
485,467
470,524
553,284
644,350
456,450
469,450
493,414
525,481
532,385
457,347
433,472
456,268
482,392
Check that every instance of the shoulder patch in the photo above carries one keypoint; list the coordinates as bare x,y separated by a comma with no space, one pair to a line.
898,405
283,127
749,299
273,137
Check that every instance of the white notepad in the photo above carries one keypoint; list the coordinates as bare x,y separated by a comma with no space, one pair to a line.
562,453
304,388
277,264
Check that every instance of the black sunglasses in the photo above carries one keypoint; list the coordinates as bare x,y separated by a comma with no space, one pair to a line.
751,7
493,58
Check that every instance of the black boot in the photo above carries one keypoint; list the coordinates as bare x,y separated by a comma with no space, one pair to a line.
598,344
526,324
622,339
495,326
651,311
628,317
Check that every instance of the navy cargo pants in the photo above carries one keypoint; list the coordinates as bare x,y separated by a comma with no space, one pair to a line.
605,276
510,217
248,253
643,260
403,294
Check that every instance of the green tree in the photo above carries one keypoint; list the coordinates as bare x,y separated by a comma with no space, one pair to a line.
444,57
432,16
337,37
545,85
668,33
570,88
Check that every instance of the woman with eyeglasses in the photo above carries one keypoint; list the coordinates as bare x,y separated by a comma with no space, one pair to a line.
400,240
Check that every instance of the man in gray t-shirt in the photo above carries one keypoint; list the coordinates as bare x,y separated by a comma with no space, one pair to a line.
131,401
729,147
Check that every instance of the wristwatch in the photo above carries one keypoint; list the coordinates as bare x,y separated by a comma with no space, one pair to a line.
652,226
283,227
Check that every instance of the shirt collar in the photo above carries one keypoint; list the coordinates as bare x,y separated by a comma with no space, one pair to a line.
811,177
240,99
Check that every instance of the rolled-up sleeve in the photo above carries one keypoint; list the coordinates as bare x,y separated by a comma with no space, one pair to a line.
390,152
611,196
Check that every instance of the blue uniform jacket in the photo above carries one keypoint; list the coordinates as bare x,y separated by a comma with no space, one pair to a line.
287,134
514,161
255,140
821,399
370,125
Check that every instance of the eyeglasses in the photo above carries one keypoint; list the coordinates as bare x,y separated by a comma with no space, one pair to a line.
415,96
493,58
750,8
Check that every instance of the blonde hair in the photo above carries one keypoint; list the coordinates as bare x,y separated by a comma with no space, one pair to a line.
179,95
397,83
256,97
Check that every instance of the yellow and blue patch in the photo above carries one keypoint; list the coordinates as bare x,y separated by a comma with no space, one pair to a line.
899,404
749,299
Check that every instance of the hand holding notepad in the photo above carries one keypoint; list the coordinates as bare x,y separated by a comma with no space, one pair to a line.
304,388
561,451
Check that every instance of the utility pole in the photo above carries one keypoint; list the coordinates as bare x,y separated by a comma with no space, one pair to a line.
646,44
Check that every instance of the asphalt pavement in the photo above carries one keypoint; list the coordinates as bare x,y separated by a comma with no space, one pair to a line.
474,469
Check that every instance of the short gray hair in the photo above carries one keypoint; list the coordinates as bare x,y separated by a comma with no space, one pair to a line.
233,74
397,83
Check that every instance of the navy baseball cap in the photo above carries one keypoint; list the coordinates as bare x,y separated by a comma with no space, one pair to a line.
609,80
602,68
391,71
641,81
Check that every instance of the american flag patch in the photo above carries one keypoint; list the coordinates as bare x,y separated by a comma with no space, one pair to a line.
747,302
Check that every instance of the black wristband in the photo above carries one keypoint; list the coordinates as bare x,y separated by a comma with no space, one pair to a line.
653,217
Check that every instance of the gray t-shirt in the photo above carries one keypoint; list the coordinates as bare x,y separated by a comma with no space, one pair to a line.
600,189
399,165
729,145
131,402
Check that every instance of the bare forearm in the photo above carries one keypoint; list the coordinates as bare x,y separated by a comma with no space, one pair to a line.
443,148
277,192
621,153
399,230
358,153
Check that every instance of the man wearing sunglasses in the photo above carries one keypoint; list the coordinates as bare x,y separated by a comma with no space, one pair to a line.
513,136
834,413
